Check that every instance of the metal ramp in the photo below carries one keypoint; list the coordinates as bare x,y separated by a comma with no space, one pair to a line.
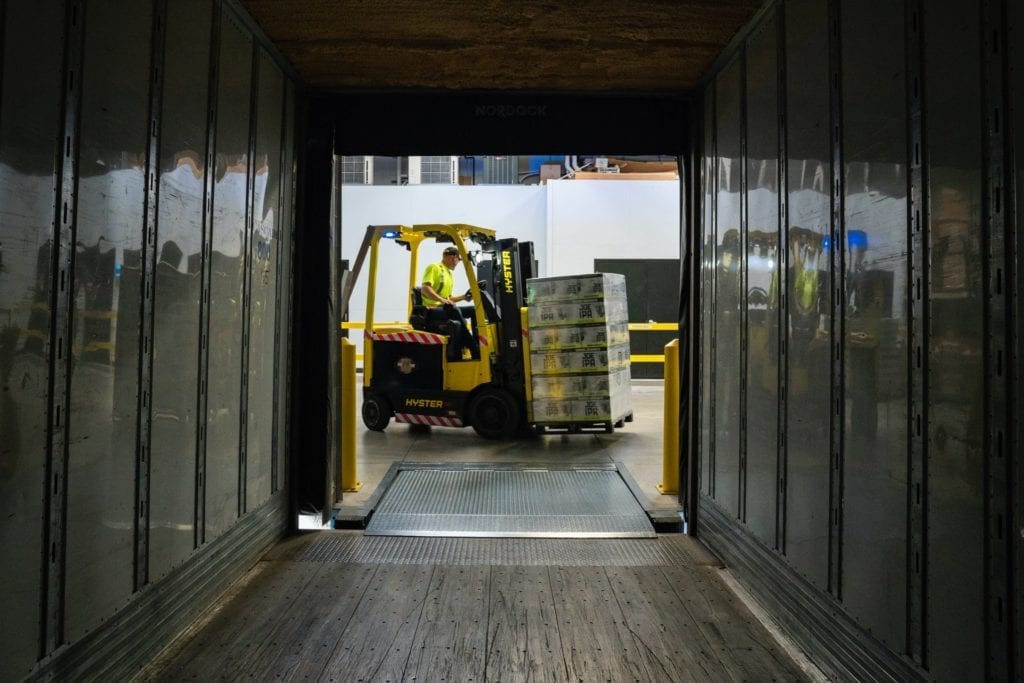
491,502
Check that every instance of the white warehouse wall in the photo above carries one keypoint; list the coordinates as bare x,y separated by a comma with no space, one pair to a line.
570,222
589,219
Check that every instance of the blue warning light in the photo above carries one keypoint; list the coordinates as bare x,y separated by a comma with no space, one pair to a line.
858,239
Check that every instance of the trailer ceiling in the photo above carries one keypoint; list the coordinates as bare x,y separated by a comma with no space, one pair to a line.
652,46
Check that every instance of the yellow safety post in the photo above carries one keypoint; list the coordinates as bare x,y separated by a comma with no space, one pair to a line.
348,417
670,450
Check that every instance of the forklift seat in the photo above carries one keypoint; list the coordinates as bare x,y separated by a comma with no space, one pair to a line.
437,320
429,318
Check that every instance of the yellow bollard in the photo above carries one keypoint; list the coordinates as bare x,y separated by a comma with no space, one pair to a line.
348,417
670,450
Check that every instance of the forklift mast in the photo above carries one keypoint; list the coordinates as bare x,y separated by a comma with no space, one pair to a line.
505,275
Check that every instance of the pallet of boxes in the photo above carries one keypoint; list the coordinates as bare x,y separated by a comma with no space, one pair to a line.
579,352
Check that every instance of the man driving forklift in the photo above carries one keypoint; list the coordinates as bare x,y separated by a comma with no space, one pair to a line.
436,292
409,372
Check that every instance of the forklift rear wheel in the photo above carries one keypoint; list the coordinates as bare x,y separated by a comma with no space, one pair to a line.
376,413
494,414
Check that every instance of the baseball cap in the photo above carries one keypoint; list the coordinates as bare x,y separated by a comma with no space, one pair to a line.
451,251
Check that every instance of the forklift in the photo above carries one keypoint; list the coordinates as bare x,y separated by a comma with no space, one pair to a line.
414,372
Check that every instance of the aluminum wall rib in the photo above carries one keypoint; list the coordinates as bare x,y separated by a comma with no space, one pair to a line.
1015,115
709,251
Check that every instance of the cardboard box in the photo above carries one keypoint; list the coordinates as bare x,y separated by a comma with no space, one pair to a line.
609,409
550,172
581,361
578,336
576,313
600,385
588,287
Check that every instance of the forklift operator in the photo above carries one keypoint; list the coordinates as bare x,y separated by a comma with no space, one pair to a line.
436,290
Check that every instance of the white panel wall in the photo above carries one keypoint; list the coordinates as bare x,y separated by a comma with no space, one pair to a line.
590,219
570,222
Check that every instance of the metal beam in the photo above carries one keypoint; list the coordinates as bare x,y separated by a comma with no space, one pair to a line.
209,185
837,277
247,261
144,412
917,349
61,309
998,632
783,286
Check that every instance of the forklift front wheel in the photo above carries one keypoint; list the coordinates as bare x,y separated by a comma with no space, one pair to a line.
376,413
494,413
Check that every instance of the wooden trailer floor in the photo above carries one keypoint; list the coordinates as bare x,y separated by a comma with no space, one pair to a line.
341,606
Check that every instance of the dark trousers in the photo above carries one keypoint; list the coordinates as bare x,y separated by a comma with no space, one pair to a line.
461,337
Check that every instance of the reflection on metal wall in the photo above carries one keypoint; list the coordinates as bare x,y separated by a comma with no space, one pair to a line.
263,313
29,118
955,328
805,527
103,303
228,235
886,399
707,286
762,283
107,286
282,377
874,308
178,285
728,284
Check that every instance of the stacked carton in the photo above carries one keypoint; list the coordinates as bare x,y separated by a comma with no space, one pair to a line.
579,349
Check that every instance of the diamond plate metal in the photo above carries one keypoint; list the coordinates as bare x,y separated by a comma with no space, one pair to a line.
353,548
510,503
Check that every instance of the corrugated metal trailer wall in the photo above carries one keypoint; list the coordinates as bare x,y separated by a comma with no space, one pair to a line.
146,174
860,378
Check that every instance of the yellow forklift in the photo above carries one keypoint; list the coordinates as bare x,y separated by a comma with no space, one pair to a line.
413,371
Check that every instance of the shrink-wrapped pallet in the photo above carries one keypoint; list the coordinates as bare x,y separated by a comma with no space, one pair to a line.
579,350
